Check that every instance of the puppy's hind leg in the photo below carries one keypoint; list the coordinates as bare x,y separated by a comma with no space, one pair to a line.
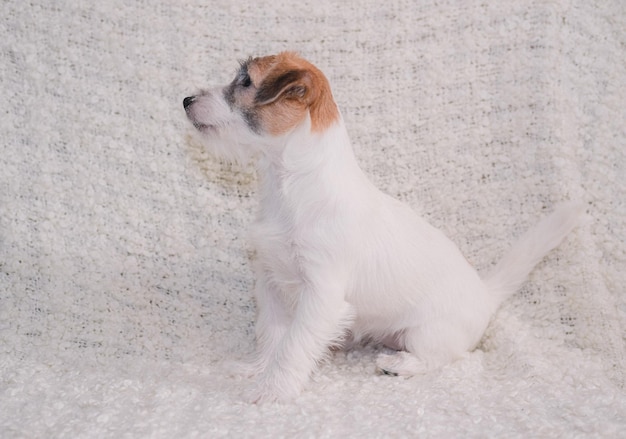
421,356
401,363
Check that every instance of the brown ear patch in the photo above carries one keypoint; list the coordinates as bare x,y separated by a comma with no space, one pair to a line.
290,84
288,87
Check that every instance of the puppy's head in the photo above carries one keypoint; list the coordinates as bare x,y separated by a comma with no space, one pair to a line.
269,98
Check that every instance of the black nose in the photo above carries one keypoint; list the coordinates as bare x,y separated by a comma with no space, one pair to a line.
188,100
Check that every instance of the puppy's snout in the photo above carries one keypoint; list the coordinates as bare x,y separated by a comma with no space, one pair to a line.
188,101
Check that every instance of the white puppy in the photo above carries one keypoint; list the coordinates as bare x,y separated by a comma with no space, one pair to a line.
334,255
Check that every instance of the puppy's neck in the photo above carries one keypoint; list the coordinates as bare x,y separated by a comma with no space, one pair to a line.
310,165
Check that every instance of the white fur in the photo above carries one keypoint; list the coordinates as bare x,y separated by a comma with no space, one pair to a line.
336,256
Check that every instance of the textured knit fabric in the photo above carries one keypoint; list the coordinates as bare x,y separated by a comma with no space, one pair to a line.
125,283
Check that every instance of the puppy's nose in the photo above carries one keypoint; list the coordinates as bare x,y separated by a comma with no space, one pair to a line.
188,100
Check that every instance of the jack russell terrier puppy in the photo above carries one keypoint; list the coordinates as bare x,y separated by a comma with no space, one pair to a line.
335,256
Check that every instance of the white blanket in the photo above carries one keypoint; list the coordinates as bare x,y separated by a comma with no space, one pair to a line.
124,270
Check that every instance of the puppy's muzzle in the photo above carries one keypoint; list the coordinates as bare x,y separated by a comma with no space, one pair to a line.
187,102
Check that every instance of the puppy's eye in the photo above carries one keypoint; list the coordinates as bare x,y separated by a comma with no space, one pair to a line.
246,81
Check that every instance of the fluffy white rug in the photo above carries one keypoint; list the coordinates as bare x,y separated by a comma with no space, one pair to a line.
124,279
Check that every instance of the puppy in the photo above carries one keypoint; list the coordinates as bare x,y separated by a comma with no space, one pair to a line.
336,256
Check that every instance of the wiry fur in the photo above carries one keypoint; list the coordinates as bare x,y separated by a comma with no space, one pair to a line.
336,255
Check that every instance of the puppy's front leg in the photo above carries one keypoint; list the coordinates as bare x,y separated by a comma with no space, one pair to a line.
321,317
271,323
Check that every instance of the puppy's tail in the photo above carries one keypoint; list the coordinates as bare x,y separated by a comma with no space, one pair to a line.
510,273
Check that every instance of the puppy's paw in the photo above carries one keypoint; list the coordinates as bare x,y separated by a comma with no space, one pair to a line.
276,385
400,363
262,394
243,369
259,395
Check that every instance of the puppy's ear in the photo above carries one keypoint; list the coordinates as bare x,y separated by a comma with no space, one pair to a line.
292,84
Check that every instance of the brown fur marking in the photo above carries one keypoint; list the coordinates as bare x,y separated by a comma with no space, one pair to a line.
287,87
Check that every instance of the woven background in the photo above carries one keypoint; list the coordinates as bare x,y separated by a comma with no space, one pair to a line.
124,275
